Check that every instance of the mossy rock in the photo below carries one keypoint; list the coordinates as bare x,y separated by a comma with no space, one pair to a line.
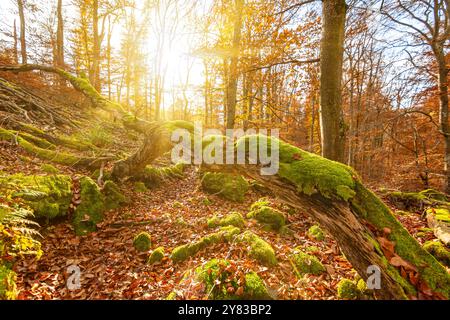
305,263
233,219
8,289
439,251
228,186
222,284
48,196
262,202
113,196
259,249
347,289
48,168
90,211
140,187
266,215
156,256
316,232
183,252
142,242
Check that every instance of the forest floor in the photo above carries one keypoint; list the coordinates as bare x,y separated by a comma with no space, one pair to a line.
174,213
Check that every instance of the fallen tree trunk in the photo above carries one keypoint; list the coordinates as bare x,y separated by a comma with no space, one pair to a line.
363,226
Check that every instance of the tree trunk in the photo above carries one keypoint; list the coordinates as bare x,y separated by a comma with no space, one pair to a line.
443,108
331,59
365,229
60,37
233,76
95,72
16,50
23,44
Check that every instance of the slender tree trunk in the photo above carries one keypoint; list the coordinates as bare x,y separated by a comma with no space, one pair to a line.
331,59
233,76
60,37
16,50
443,108
23,44
95,73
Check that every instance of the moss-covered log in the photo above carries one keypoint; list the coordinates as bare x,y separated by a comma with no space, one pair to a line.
361,223
34,147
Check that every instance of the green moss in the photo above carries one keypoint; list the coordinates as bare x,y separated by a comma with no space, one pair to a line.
39,142
441,214
370,207
218,279
48,196
274,218
434,195
306,263
228,186
439,251
48,168
153,176
347,289
312,249
51,155
140,187
361,286
232,219
310,173
260,249
263,202
316,232
156,256
113,197
90,211
8,290
183,252
142,241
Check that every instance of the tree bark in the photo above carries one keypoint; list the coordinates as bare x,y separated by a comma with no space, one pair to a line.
60,37
331,60
438,51
23,43
95,72
233,76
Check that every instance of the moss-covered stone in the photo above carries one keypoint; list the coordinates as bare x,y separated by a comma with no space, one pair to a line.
140,187
153,176
48,196
347,290
48,168
228,186
305,263
8,290
90,211
316,232
142,242
113,197
233,219
156,256
266,215
183,252
259,249
439,251
222,284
